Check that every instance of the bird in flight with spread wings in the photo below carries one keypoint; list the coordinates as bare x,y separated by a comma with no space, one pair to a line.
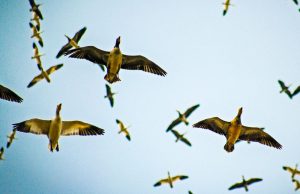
2,153
115,60
169,180
55,128
245,183
10,138
35,8
109,95
36,33
180,137
293,171
234,131
182,117
7,94
123,129
286,90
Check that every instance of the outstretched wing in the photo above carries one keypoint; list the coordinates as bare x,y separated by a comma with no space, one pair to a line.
9,95
257,135
79,34
236,185
190,110
80,128
186,141
214,124
173,124
36,126
179,177
120,123
162,181
53,68
297,90
253,180
175,133
139,62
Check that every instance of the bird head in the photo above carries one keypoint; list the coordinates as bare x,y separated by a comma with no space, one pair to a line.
58,108
118,41
69,39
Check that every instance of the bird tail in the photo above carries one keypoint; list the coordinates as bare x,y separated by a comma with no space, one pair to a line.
229,147
111,78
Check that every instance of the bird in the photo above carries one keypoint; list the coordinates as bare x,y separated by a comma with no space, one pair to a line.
286,90
226,7
1,153
234,130
169,180
72,42
36,19
190,192
296,2
44,74
36,33
11,137
123,129
180,137
244,183
37,56
115,60
35,8
297,184
182,117
109,95
7,94
293,171
56,127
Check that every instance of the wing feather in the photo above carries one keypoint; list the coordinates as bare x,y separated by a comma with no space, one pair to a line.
189,111
9,95
80,128
36,126
214,124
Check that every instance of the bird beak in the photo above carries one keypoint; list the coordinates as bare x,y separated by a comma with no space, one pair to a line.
59,106
240,111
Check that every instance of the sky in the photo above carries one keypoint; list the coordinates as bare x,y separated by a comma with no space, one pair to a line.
221,63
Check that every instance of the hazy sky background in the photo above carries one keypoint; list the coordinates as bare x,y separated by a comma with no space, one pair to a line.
222,63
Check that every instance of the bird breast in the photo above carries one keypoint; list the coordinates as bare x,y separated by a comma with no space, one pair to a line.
234,132
55,129
115,61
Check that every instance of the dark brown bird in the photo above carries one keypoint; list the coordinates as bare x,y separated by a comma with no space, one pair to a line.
245,183
72,42
35,8
234,130
115,60
9,95
182,117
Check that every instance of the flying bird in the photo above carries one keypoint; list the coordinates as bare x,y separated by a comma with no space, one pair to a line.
169,180
297,184
11,137
35,8
180,137
226,7
44,74
244,183
182,117
115,60
293,171
109,95
72,42
36,33
296,2
1,153
123,129
37,56
286,90
9,95
56,127
36,19
234,130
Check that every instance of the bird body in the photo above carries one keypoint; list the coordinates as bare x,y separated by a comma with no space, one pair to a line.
10,139
35,8
226,7
293,171
1,153
56,127
7,94
169,180
244,183
234,131
114,63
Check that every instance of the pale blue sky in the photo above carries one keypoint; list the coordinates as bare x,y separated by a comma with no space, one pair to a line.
220,62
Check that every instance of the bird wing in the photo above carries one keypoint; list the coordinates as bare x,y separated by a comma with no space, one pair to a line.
258,135
63,49
32,3
120,123
36,126
175,132
236,185
108,90
80,128
139,62
173,124
53,68
296,2
179,177
90,53
35,80
186,141
282,85
214,124
253,180
39,13
162,181
190,110
127,135
9,95
111,101
79,34
297,90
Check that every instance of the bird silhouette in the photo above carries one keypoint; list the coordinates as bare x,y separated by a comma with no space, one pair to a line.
245,183
169,180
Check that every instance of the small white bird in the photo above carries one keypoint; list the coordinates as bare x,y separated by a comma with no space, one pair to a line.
169,180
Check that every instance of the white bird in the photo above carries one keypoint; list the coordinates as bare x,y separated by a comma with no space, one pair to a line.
56,127
169,180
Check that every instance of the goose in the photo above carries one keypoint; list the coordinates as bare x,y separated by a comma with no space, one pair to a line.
11,137
234,130
56,127
293,171
36,19
226,7
37,56
44,74
123,129
297,184
115,60
245,183
36,33
72,42
180,137
1,153
109,95
286,90
35,8
169,180
7,94
296,2
182,117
